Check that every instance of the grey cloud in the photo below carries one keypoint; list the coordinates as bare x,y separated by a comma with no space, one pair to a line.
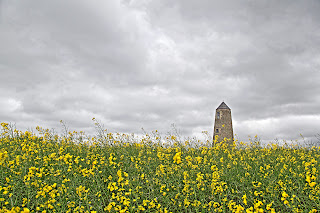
134,64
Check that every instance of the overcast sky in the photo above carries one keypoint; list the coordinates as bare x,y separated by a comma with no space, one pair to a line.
149,64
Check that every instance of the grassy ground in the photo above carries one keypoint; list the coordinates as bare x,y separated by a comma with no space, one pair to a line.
47,173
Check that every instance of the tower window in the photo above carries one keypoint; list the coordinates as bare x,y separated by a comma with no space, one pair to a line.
218,115
217,130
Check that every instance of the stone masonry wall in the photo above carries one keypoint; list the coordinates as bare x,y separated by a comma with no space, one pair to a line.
224,125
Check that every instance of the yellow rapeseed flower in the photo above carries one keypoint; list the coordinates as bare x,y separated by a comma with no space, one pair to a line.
177,158
244,197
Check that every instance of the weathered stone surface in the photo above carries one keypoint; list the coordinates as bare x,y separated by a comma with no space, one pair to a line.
223,124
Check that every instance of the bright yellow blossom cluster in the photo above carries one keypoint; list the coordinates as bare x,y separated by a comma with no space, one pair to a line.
45,172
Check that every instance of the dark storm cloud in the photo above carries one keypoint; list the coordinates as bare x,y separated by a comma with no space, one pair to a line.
134,64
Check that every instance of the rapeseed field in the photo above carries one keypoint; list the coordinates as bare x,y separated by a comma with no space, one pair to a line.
45,172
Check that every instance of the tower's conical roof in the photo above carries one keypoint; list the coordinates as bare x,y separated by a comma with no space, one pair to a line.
223,106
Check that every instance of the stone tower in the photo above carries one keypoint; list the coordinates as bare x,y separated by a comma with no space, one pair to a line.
223,124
